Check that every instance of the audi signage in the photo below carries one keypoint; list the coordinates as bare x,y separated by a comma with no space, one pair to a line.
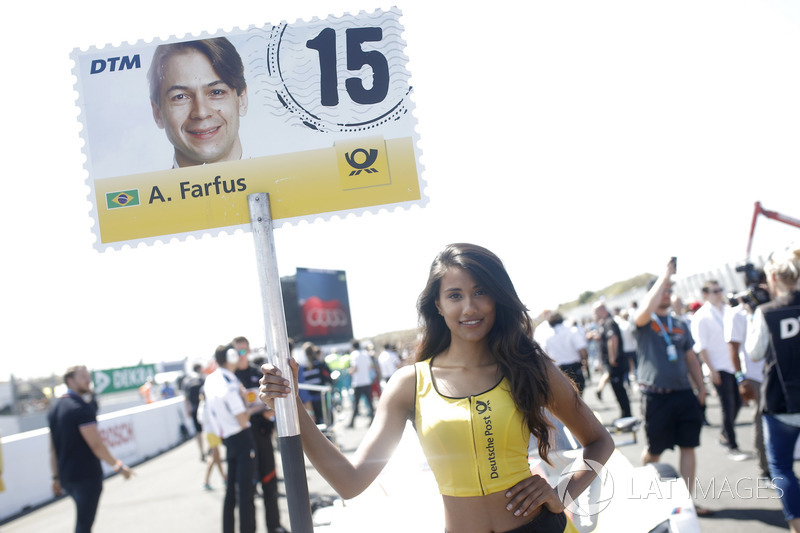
317,307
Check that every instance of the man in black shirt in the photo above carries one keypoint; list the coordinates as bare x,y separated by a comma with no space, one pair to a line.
609,340
316,372
191,390
76,448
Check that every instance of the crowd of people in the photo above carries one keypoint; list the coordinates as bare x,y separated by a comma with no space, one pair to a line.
480,343
354,378
224,410
668,354
674,355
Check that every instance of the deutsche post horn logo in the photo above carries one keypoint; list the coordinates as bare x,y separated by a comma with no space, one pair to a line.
482,407
365,165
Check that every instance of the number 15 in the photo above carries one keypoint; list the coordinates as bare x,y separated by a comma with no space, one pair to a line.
325,45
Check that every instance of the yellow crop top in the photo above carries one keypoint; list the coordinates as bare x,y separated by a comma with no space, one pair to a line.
475,445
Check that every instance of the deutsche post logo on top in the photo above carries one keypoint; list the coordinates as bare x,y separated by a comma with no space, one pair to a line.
362,163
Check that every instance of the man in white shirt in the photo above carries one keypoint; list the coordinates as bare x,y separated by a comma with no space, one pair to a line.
230,420
566,346
626,327
361,373
750,378
708,332
389,361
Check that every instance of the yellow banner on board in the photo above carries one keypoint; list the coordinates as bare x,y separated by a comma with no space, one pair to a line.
351,175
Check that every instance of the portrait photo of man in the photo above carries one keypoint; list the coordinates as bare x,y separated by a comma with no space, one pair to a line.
198,95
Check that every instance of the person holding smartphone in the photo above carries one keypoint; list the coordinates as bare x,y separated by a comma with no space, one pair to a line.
668,369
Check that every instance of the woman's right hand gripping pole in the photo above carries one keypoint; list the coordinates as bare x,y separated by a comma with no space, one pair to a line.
273,385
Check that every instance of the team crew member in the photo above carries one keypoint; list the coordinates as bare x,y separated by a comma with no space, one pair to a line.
229,418
76,448
477,352
263,427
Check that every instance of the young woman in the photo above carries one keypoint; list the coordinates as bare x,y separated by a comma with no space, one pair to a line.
479,388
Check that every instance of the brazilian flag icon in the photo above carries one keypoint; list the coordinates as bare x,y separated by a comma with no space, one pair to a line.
118,199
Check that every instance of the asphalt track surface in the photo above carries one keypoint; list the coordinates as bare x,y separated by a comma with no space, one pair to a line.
166,495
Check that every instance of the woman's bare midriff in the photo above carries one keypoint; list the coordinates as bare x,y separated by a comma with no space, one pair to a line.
482,514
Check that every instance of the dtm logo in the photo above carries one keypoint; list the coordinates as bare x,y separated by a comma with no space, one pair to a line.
790,327
115,64
367,159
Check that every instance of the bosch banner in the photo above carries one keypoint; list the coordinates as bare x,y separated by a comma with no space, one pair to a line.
178,132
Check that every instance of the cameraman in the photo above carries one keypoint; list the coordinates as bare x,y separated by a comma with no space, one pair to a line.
774,335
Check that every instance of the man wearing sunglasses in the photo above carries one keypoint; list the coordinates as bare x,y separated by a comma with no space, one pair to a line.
708,332
261,421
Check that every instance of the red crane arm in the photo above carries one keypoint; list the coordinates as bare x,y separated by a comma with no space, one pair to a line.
774,215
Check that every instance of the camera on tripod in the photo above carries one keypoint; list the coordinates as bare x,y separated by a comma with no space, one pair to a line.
755,294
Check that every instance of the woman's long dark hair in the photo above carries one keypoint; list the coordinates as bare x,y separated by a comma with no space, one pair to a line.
521,360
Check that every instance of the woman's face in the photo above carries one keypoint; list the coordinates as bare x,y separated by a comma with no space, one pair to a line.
467,308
